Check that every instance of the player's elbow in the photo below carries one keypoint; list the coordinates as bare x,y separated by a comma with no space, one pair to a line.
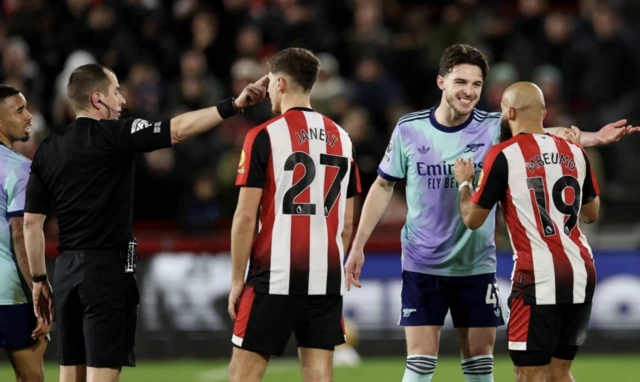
176,130
590,211
33,221
472,222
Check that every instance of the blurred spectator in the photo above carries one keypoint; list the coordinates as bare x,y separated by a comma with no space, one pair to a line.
375,90
379,61
201,210
329,85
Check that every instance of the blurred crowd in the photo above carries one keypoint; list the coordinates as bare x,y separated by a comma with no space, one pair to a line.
379,61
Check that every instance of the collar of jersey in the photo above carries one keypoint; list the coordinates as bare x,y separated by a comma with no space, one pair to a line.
300,108
449,129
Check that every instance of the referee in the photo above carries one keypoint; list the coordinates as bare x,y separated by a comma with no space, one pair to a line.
85,174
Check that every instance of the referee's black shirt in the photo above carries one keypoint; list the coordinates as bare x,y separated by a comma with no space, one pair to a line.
85,174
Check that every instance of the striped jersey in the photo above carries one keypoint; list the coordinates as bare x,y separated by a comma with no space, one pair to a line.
14,173
541,182
304,163
434,238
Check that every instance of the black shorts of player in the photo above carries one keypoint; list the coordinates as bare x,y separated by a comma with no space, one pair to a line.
264,322
96,309
538,333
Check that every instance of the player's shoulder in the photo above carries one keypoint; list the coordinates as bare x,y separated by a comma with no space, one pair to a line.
414,117
486,116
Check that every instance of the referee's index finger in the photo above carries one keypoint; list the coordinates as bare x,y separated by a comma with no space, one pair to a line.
264,81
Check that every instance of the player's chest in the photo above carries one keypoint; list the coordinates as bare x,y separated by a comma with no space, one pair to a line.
426,154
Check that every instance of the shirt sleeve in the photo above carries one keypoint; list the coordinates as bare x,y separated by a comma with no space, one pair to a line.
354,187
137,135
16,190
393,166
38,197
590,187
493,181
252,169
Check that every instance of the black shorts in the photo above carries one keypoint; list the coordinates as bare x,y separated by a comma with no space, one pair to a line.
264,322
17,322
538,333
96,306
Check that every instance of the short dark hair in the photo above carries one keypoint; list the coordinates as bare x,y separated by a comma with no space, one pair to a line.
300,64
463,54
85,80
7,91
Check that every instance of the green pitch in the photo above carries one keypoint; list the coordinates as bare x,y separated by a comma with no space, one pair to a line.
587,368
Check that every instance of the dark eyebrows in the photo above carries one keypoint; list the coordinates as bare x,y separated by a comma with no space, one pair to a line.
21,108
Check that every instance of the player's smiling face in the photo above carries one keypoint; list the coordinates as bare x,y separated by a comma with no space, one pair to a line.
462,87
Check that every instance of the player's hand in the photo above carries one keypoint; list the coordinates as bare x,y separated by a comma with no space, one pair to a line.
253,93
353,267
234,296
577,135
615,131
463,170
43,302
572,134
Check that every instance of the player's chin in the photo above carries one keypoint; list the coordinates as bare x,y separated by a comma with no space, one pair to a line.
25,138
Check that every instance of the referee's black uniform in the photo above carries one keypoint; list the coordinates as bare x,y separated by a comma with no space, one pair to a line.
86,175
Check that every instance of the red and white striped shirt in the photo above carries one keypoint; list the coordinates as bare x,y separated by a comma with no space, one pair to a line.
541,182
305,164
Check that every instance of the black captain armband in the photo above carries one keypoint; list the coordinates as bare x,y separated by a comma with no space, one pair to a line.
226,108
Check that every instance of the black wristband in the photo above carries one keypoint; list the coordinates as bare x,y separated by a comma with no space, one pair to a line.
39,279
226,108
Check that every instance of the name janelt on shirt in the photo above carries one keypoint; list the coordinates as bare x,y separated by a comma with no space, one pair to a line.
550,158
314,134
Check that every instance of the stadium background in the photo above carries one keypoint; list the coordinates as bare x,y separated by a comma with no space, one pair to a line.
379,61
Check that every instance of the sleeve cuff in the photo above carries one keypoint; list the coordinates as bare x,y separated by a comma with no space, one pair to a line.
15,214
388,177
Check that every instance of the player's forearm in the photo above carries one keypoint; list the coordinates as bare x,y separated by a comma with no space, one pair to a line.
242,231
17,234
589,139
374,206
34,243
193,123
465,207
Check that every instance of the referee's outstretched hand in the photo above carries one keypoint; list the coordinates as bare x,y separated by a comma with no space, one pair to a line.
253,93
43,302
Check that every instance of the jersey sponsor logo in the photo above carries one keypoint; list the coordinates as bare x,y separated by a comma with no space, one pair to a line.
241,164
139,124
473,147
441,175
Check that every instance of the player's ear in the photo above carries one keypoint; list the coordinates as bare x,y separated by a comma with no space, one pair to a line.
440,82
512,114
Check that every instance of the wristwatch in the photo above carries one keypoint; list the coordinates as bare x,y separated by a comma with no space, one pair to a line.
39,278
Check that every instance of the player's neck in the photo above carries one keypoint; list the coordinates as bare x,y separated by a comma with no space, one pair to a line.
527,127
447,116
5,140
290,101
